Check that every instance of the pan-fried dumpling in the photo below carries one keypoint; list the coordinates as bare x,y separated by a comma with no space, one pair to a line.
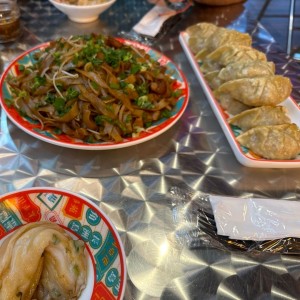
220,37
198,34
232,106
41,261
247,69
229,54
223,36
273,142
213,79
238,70
260,116
258,91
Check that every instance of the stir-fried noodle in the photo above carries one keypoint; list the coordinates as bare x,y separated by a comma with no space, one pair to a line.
94,88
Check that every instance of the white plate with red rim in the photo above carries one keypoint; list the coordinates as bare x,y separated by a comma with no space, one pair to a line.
242,154
83,220
49,135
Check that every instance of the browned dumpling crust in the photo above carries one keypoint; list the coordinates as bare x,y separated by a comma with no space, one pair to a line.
232,106
260,116
279,142
223,36
246,86
198,34
259,91
228,54
238,70
247,69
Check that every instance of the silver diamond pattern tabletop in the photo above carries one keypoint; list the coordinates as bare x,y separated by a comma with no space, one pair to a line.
132,184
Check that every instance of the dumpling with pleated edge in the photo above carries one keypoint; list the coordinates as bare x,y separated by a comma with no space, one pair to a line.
228,54
41,261
261,116
225,36
258,91
238,70
198,35
278,142
231,106
247,69
220,37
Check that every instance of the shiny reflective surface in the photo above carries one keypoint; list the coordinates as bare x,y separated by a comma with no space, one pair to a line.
131,185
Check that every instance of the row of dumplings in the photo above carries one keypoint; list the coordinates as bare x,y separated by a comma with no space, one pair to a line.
245,85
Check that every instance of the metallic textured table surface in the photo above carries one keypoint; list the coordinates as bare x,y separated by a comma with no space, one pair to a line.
132,184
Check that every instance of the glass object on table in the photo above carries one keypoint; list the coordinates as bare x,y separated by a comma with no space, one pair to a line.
291,26
9,21
219,2
178,4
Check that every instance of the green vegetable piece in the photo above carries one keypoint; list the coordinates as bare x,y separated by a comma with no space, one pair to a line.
123,84
95,85
57,131
59,105
76,270
144,103
72,93
128,119
9,102
77,245
135,68
148,124
55,239
165,114
50,98
57,56
90,139
143,89
114,85
21,68
22,94
177,93
100,119
38,81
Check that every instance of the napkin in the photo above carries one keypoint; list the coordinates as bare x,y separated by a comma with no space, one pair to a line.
256,219
153,21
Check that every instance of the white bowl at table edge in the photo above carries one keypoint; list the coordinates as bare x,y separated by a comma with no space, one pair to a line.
83,13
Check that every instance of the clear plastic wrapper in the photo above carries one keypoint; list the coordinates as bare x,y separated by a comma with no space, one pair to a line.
264,224
160,17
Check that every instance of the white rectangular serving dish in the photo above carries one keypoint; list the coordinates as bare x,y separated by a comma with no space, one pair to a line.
244,158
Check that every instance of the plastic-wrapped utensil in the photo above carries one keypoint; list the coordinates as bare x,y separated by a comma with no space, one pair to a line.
253,225
155,20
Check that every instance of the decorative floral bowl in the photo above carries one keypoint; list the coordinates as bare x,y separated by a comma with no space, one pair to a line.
82,219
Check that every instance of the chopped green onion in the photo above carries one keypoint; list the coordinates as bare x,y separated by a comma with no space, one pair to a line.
71,93
143,102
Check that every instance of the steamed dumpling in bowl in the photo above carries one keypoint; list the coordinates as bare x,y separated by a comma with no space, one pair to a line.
41,261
